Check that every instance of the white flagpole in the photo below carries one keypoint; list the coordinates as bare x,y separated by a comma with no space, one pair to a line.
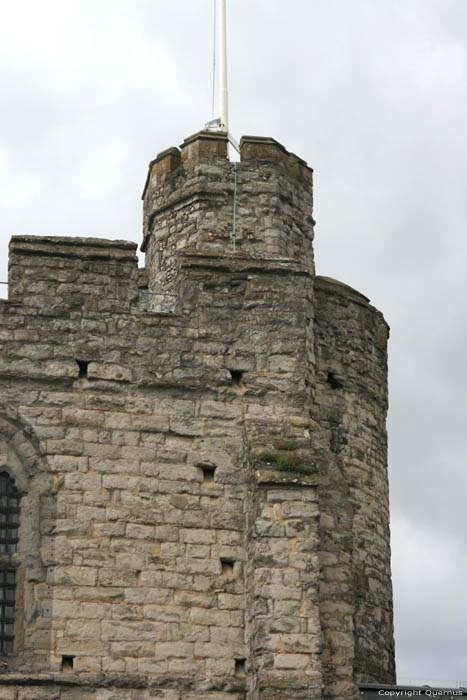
222,124
223,94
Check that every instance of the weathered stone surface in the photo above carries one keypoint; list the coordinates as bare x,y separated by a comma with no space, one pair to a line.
204,490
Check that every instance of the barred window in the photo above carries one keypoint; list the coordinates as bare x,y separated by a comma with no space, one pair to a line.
7,610
9,526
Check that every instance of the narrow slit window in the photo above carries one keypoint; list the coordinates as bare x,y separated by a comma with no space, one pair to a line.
208,474
67,663
236,375
227,567
240,667
333,381
83,368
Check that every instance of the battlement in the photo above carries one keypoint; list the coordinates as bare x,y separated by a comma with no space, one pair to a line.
93,273
195,198
208,147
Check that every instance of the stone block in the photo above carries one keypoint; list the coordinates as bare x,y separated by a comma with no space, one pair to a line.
292,661
300,510
143,532
199,566
38,693
197,536
83,482
114,372
218,409
155,667
202,616
194,633
8,693
83,628
220,667
216,650
151,424
73,575
201,551
145,596
183,650
228,601
116,577
80,647
136,649
205,147
166,613
227,635
194,599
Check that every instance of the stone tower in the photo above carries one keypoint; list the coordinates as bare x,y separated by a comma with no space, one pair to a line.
198,448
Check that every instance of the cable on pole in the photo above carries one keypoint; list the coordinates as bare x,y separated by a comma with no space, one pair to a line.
234,208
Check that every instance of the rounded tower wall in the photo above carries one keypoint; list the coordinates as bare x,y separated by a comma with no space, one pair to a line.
350,342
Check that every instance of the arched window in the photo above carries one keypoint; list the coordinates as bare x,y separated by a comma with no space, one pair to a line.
9,526
25,617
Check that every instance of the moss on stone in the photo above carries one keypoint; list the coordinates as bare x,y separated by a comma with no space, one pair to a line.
178,172
285,462
284,445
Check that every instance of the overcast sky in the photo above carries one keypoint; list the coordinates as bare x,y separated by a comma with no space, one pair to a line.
372,94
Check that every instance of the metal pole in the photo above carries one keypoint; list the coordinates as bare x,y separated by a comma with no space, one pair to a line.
223,95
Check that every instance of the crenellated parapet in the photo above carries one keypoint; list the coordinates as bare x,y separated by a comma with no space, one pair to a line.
196,199
73,273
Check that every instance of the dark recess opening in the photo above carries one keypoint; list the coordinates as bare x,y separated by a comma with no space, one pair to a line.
67,663
208,474
335,383
236,375
227,567
83,370
240,667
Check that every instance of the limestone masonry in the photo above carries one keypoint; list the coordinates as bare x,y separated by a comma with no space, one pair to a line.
198,449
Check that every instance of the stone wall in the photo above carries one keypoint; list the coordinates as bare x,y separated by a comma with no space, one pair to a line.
204,505
351,455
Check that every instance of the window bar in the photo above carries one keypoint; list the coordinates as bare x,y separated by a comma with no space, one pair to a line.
9,525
